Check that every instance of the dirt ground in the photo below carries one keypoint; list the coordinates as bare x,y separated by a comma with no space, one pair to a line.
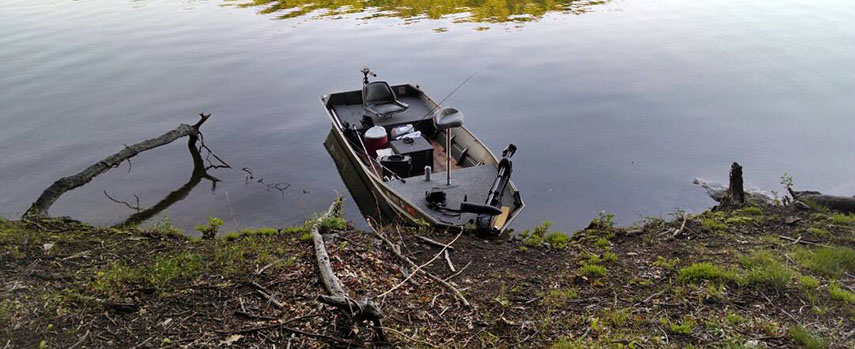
753,277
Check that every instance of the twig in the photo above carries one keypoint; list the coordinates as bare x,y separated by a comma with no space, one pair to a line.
289,329
435,243
802,241
442,282
267,294
458,272
136,208
448,259
421,266
682,226
80,341
411,338
253,316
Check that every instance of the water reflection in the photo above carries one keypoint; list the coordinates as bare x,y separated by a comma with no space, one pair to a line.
486,11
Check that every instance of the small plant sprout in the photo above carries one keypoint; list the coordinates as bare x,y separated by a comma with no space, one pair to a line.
209,231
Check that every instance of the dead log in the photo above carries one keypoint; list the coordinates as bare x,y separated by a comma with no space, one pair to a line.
357,311
51,194
843,204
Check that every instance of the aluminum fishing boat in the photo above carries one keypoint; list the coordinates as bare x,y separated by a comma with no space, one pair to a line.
418,161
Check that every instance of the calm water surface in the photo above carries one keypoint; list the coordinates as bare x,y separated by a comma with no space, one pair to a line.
614,105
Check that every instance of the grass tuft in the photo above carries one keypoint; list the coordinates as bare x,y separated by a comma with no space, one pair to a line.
842,219
705,271
828,261
764,270
593,270
837,293
807,339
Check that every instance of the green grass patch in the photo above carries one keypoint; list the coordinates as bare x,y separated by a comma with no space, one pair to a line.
593,270
819,232
558,240
602,243
838,293
535,238
808,283
685,326
842,219
828,261
764,270
331,223
160,275
663,263
750,211
209,231
705,271
738,220
807,339
609,257
306,237
560,295
711,225
735,319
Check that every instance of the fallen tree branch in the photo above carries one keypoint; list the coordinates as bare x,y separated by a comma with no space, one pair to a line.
454,290
52,193
199,173
356,311
837,203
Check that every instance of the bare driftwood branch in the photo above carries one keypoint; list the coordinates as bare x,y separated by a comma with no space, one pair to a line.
51,194
357,311
199,173
397,252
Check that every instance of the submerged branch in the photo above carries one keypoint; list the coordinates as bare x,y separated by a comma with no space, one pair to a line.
51,194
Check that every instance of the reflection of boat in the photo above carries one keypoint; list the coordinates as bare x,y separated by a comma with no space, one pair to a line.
395,140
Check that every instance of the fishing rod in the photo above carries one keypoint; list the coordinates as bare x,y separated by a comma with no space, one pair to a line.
430,112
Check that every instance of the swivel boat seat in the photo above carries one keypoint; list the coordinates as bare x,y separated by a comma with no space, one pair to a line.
378,98
446,119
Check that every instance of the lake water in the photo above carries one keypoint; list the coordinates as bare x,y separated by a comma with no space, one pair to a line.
614,105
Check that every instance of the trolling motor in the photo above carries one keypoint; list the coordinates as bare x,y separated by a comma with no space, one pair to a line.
497,190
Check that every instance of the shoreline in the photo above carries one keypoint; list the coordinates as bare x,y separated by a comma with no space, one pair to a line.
751,277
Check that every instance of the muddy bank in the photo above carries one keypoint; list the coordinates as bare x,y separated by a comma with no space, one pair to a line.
753,277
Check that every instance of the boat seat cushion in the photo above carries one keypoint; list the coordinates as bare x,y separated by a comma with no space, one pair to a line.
448,117
384,109
379,99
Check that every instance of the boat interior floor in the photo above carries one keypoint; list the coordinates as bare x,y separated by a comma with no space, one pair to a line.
473,183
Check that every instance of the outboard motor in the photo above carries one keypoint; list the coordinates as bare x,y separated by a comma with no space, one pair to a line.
494,198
